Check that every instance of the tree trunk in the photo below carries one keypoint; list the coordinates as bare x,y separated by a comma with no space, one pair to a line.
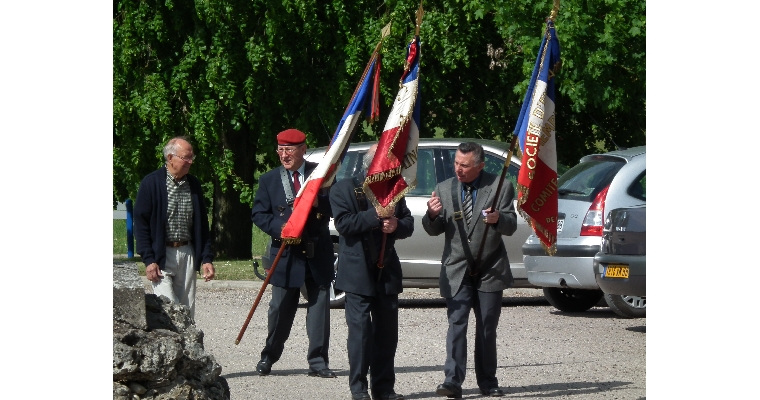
231,225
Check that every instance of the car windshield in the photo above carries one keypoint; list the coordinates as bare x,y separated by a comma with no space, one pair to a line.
585,180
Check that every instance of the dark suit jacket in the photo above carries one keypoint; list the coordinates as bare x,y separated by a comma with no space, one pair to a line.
495,274
151,216
356,272
268,204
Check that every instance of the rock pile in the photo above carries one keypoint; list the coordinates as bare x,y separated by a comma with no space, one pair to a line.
157,350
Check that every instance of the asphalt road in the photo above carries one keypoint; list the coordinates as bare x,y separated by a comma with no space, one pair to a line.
543,353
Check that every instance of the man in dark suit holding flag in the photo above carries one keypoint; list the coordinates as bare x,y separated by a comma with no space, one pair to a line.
456,209
371,292
308,263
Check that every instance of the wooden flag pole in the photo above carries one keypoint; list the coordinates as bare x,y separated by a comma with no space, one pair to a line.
382,255
555,11
419,14
261,292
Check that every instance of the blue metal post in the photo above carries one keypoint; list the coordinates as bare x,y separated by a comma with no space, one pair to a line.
130,237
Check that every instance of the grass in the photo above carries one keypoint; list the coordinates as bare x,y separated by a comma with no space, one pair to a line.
228,270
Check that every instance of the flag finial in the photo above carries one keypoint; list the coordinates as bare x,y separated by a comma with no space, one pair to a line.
386,31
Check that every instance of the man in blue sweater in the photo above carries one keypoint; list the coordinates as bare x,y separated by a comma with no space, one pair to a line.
171,226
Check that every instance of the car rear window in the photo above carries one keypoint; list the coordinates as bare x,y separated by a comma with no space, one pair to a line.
585,180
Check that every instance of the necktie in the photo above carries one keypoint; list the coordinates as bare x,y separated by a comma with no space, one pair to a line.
467,204
296,182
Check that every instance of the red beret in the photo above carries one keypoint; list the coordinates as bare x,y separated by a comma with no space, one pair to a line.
290,137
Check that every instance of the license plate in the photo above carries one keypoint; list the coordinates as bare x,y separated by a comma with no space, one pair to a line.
616,271
560,223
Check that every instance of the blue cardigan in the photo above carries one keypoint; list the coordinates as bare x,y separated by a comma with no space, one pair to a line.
151,215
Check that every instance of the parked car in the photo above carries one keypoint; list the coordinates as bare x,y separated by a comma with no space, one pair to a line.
420,255
599,182
620,266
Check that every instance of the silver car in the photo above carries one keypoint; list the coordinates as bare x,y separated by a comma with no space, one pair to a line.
599,182
420,255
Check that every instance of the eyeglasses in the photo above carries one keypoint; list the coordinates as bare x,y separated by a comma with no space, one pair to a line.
287,150
185,159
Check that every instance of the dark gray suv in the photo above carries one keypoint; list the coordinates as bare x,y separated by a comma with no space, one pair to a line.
620,266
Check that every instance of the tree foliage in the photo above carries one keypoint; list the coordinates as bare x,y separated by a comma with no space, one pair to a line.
230,74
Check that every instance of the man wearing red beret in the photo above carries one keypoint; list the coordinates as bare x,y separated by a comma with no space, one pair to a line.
309,263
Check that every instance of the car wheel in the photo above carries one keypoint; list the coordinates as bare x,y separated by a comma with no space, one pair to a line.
572,300
259,271
627,306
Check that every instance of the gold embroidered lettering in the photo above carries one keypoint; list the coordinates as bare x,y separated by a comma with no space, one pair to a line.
540,200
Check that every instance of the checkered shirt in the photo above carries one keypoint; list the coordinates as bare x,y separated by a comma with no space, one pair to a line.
180,209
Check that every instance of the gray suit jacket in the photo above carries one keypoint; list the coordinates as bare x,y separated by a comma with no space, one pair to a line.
495,274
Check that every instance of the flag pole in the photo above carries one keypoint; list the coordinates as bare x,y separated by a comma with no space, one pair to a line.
261,292
555,11
494,203
419,20
380,265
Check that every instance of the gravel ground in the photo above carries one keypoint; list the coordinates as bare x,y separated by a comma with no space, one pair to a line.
543,353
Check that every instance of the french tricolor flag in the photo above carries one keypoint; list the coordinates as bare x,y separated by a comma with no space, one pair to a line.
393,170
365,98
536,130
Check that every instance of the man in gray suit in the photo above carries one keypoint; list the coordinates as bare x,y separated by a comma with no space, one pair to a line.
371,292
460,209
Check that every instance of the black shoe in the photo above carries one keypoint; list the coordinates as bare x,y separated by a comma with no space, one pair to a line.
264,367
449,390
360,396
492,392
388,396
323,373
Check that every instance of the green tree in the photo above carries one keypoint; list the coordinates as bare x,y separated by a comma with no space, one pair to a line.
478,56
230,74
601,98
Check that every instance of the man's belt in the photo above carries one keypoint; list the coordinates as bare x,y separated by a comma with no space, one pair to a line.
177,244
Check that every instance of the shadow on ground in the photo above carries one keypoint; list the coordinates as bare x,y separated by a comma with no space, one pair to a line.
558,390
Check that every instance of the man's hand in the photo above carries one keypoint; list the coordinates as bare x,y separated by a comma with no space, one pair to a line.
490,216
434,206
153,273
208,271
390,224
